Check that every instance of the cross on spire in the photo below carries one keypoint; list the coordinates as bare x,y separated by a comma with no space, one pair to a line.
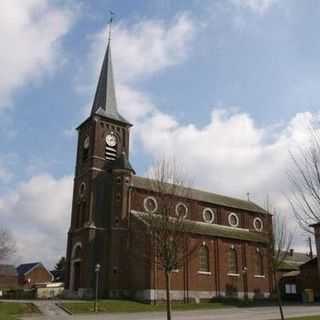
112,14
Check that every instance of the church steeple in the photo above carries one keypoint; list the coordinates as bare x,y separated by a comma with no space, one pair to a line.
105,102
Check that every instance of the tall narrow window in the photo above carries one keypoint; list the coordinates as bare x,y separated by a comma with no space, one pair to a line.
78,216
259,264
85,148
83,216
233,261
204,259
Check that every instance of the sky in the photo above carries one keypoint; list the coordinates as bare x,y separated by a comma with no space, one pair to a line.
226,87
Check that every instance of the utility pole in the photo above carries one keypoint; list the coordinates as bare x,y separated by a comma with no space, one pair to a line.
97,270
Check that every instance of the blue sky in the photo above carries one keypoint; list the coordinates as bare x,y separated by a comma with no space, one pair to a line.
225,86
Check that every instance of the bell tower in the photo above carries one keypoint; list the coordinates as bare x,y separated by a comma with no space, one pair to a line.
103,145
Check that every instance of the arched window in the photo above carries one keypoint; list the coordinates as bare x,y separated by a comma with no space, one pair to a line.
259,264
77,253
204,259
81,214
233,261
85,148
78,215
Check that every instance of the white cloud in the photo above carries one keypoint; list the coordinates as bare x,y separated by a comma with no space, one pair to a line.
5,173
257,6
144,48
139,51
38,213
31,31
231,155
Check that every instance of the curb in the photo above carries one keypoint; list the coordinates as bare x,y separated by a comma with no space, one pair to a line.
62,307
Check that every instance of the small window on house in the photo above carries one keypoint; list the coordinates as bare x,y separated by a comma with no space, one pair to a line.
290,288
232,261
259,264
204,259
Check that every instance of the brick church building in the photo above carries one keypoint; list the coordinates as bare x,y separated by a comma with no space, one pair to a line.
230,235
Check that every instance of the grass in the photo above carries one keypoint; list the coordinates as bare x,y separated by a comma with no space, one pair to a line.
11,310
116,306
306,318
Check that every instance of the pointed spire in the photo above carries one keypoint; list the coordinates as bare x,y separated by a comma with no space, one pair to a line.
105,102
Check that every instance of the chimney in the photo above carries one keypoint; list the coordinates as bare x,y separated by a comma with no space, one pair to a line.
310,248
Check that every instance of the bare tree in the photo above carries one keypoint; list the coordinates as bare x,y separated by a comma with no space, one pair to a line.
166,227
280,245
304,178
7,244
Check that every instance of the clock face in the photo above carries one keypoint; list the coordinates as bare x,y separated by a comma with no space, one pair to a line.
86,143
111,140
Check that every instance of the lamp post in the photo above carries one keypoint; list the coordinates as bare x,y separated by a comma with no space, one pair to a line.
97,270
245,281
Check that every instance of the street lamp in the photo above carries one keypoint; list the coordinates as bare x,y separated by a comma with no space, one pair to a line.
97,270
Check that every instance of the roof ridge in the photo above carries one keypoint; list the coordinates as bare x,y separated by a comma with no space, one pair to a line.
256,208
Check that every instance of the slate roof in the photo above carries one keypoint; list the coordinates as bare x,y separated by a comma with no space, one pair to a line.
208,229
7,270
285,266
105,102
297,258
313,260
291,274
204,196
123,162
294,261
22,269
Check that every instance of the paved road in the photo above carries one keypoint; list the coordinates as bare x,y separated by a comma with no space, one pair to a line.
261,313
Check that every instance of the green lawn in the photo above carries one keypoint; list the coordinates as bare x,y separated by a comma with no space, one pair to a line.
132,306
11,310
306,318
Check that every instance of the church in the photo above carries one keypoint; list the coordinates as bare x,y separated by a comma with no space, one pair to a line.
231,236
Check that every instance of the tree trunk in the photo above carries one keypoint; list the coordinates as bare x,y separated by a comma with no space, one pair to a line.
278,294
168,302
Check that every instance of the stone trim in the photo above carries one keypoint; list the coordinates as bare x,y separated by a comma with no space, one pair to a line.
233,274
207,273
160,294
